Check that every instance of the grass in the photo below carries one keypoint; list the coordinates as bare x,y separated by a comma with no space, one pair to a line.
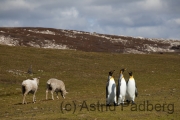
85,76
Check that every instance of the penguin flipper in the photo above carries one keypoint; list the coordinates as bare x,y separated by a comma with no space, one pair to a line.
118,87
127,82
107,91
136,92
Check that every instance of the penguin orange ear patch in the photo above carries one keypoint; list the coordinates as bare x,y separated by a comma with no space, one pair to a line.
111,78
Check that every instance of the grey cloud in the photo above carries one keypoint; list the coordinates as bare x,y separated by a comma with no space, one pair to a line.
146,18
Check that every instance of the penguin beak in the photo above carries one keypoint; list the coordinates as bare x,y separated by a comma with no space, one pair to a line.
113,71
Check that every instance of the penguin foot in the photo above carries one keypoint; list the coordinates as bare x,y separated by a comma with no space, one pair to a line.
107,104
122,104
115,104
127,101
133,103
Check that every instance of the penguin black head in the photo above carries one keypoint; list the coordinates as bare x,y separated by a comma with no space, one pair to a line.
123,69
111,72
130,73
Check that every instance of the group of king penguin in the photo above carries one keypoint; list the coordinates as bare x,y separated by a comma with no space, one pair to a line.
126,90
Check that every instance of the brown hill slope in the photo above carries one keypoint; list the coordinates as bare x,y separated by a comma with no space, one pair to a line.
84,41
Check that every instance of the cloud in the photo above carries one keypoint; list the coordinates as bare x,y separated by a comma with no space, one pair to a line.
146,18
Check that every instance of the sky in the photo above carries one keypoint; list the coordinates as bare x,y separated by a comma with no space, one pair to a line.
136,18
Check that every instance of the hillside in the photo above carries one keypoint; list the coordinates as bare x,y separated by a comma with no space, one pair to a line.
84,41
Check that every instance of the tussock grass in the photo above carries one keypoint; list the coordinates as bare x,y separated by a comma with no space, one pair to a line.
85,76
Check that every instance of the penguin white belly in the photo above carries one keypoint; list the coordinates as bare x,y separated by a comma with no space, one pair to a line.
131,90
121,91
123,87
111,92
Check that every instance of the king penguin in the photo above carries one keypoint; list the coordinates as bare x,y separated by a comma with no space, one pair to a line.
131,89
121,88
110,89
